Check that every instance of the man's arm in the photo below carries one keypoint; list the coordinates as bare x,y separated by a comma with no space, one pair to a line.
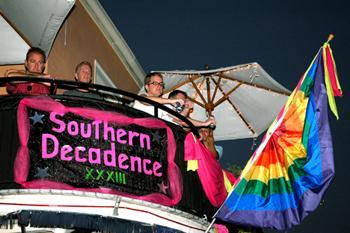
23,73
15,73
164,100
196,123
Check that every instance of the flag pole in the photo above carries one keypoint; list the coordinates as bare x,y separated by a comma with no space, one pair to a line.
330,37
211,224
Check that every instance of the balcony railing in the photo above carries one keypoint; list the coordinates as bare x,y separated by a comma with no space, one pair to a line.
110,95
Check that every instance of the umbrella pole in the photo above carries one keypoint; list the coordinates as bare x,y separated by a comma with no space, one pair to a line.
209,104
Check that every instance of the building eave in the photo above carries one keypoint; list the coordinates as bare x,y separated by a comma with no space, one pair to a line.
115,39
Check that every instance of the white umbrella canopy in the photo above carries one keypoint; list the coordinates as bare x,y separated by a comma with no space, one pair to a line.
244,99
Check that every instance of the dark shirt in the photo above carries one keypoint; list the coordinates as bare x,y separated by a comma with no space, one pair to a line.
27,88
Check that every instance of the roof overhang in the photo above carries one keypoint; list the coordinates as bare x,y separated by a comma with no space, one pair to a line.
115,39
29,23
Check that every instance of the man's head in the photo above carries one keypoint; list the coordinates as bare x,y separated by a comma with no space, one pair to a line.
178,94
154,84
83,72
35,60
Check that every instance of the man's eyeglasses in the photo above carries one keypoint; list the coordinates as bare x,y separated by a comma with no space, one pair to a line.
157,84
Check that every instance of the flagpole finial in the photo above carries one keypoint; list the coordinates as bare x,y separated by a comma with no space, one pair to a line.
330,37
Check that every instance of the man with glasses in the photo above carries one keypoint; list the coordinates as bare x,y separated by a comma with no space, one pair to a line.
154,87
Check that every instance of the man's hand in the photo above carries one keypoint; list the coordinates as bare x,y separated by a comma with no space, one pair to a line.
176,101
210,121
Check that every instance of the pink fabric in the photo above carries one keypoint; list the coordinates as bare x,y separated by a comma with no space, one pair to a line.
190,148
332,73
209,170
230,176
44,103
221,228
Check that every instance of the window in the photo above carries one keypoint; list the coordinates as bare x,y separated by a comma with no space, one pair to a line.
101,77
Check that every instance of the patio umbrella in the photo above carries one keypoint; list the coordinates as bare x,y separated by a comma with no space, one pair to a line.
244,99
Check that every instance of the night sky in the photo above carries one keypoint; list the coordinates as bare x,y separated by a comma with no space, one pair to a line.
282,36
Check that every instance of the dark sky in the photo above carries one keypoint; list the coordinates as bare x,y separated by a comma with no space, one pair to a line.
282,36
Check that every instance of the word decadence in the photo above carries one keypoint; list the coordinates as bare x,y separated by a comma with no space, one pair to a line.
98,130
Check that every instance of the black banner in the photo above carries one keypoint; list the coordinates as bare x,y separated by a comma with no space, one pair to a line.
89,153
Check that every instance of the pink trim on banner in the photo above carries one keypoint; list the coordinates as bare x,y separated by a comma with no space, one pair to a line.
44,103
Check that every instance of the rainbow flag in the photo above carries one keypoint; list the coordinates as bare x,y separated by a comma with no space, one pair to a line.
289,172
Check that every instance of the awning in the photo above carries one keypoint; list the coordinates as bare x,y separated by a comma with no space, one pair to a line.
29,23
